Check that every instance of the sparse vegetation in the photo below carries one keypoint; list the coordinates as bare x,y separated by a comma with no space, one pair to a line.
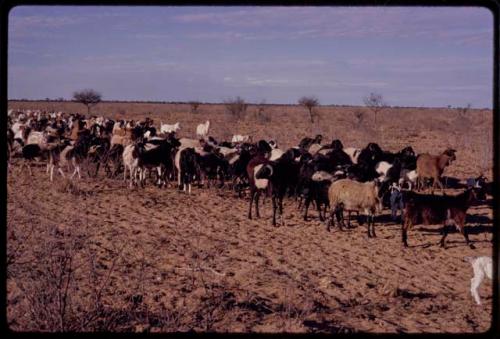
376,103
158,261
236,107
88,97
309,102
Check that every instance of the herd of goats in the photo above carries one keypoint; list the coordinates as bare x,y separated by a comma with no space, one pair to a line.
327,174
333,177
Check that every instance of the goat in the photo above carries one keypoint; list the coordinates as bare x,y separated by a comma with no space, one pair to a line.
159,157
276,153
280,174
432,166
429,209
353,153
29,153
306,142
213,166
189,167
317,191
130,157
408,177
483,267
354,196
237,138
202,129
165,128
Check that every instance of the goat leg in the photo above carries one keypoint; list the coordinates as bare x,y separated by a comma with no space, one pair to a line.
274,209
404,232
252,193
330,220
257,196
340,218
282,220
372,219
444,232
461,228
306,207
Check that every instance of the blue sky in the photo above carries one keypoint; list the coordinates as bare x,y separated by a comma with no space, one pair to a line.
413,56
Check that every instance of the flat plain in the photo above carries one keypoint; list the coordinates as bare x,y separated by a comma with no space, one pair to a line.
96,255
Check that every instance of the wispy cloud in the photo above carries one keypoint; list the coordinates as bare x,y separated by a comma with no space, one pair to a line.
333,22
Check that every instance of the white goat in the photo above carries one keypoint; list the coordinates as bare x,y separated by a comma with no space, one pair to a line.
202,129
131,163
482,266
276,153
381,168
165,128
240,138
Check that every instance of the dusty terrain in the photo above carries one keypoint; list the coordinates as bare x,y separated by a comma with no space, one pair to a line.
95,255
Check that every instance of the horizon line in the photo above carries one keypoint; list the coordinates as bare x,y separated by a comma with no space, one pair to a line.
248,103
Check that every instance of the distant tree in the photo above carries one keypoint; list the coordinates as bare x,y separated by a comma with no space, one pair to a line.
60,99
194,106
88,97
236,107
375,102
309,103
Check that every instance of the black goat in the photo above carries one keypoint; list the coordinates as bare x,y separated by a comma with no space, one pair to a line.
189,168
280,175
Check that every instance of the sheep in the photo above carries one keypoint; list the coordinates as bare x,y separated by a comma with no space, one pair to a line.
482,266
354,196
432,166
429,209
202,129
165,128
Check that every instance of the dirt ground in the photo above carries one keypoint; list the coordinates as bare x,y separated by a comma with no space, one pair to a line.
95,255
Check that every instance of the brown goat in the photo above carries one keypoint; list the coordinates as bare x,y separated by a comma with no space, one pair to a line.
431,209
432,166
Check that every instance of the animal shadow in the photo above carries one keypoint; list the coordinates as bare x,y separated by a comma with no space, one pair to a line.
326,326
412,295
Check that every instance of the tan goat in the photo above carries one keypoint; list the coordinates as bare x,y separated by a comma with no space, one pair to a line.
432,166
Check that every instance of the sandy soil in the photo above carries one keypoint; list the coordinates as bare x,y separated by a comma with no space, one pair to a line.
160,260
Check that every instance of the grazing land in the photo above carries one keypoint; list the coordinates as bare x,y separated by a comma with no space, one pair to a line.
92,254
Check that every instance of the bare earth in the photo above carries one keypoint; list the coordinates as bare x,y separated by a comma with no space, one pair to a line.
160,260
